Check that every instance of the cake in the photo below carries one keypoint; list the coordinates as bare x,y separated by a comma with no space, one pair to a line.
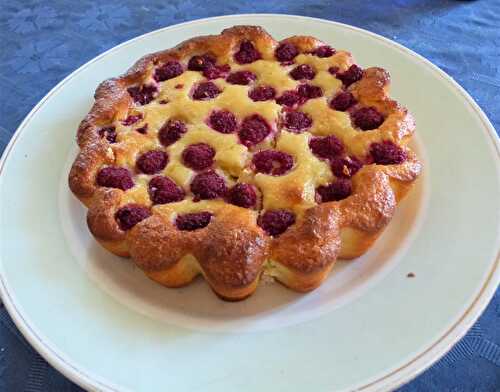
235,155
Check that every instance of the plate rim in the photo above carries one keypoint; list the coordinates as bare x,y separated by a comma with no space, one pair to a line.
394,378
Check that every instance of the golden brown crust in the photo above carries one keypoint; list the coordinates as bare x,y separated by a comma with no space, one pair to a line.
232,251
229,252
101,215
313,243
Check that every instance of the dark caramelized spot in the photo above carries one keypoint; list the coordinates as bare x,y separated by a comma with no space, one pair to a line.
193,221
276,222
130,215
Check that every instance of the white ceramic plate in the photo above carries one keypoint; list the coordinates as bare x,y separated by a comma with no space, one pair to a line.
369,327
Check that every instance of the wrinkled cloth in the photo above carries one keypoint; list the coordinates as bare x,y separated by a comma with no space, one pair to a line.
44,41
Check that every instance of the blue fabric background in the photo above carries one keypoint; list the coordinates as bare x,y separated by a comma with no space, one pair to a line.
43,41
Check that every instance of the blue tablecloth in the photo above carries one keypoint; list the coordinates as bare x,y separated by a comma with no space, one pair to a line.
43,41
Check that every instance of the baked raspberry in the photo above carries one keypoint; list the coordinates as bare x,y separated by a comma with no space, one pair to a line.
193,221
242,195
327,147
262,93
342,101
163,190
276,222
222,121
132,119
303,71
130,215
201,63
367,118
335,191
217,71
353,74
169,70
290,98
297,122
143,130
208,185
275,163
198,156
152,162
109,133
143,94
206,90
387,153
345,167
286,52
333,70
241,77
171,131
309,91
247,53
253,130
324,51
115,177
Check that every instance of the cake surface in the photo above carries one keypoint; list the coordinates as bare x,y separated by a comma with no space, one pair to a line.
235,155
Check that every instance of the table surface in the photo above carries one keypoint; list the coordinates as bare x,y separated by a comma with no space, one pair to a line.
44,41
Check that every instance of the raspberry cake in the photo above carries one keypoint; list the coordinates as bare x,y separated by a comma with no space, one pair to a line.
234,155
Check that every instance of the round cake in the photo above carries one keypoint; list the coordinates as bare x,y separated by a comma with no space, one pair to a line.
232,156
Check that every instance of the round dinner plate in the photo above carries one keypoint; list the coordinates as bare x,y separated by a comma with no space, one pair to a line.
375,323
